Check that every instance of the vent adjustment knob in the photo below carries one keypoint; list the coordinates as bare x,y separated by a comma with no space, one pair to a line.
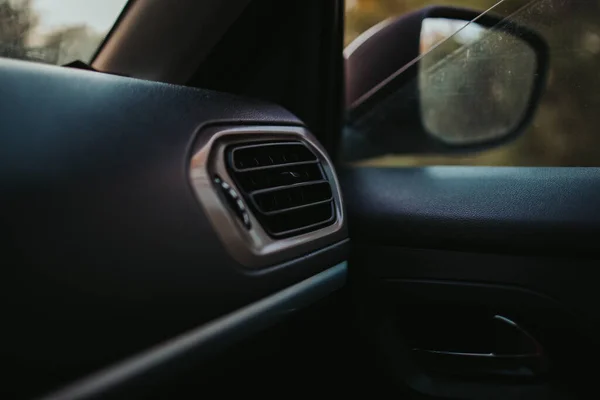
235,202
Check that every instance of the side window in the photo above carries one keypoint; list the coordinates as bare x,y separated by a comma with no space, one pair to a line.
55,31
448,85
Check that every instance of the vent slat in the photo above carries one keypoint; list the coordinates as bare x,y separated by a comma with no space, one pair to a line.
253,180
278,199
297,207
296,221
274,154
315,162
284,186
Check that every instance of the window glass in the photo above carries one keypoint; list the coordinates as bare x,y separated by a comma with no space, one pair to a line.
55,31
564,129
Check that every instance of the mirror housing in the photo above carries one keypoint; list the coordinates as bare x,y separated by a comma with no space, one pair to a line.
390,106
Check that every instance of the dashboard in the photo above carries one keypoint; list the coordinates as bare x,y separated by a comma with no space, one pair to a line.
147,222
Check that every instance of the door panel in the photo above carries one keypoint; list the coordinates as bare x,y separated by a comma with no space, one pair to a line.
497,209
439,252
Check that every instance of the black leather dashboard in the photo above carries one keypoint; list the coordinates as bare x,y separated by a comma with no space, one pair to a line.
107,251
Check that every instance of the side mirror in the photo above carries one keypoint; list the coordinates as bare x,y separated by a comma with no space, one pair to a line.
441,80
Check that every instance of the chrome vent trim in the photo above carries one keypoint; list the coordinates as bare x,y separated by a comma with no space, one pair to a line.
254,247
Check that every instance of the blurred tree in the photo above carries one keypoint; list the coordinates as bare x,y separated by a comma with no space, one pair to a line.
71,43
16,22
363,14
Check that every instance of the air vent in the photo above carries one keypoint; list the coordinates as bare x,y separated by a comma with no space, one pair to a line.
269,192
284,185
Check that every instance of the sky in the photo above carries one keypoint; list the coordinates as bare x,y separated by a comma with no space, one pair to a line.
433,29
98,14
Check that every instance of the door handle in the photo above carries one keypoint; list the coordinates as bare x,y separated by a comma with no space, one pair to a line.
517,364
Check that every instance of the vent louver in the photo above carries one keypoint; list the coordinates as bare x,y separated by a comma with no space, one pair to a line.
284,186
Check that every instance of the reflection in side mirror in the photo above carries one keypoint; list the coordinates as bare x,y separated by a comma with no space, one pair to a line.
477,84
433,82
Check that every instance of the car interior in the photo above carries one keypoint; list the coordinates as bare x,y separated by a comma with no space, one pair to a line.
187,216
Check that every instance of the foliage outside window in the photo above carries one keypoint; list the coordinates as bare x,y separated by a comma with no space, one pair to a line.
55,31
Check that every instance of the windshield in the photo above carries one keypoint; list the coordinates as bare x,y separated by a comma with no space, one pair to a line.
55,31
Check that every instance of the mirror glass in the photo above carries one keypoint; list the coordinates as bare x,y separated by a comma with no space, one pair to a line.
476,85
